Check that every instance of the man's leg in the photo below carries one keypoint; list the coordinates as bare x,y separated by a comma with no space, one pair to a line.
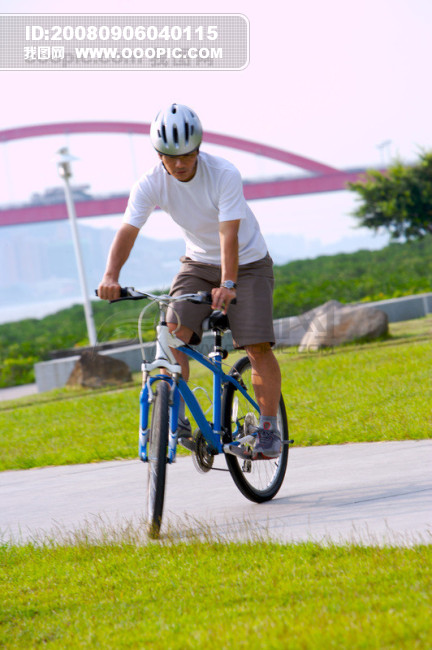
266,377
184,334
266,381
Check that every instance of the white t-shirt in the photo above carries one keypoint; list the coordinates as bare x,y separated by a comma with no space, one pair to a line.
214,194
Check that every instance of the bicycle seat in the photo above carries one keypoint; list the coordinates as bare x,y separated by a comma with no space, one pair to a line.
216,321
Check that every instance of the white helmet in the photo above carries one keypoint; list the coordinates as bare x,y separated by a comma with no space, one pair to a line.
176,131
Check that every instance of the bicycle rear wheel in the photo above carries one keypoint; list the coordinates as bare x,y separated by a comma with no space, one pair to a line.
157,458
257,480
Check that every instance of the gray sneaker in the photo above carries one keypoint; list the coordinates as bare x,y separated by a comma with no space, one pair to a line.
184,429
268,444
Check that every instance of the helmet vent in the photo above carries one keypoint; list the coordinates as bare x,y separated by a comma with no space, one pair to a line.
175,135
192,129
174,109
164,136
186,132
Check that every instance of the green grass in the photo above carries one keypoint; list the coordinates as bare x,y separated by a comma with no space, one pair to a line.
370,392
87,428
267,595
418,327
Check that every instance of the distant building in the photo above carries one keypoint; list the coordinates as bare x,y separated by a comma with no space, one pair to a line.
56,195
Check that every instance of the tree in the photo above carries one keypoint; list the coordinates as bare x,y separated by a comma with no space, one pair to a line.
399,200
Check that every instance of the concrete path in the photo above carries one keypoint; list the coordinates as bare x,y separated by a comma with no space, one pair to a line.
14,392
371,492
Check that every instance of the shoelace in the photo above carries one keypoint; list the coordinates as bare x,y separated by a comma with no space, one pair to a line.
264,435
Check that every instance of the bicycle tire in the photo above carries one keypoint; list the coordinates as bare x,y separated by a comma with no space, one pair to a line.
157,458
264,478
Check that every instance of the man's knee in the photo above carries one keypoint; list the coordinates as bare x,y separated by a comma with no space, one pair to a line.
258,349
183,333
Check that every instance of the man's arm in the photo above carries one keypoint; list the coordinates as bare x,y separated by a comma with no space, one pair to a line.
228,235
109,288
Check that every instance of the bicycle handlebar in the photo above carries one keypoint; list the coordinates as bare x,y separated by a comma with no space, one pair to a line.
201,297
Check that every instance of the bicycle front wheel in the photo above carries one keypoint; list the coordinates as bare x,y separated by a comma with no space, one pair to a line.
157,458
257,480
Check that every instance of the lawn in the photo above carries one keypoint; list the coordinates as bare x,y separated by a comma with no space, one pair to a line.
215,595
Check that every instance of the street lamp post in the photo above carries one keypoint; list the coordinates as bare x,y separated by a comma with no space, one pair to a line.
64,159
384,149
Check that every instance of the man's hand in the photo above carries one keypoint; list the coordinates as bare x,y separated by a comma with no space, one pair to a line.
222,298
109,289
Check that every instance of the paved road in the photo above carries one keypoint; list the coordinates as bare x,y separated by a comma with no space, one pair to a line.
370,492
14,392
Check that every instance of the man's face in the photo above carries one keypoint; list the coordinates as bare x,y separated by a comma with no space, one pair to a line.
183,168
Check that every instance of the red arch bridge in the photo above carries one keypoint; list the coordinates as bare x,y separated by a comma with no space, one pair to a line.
321,178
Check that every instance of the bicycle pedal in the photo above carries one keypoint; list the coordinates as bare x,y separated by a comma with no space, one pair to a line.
236,450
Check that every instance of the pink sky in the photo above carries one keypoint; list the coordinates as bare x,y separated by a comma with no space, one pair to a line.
328,80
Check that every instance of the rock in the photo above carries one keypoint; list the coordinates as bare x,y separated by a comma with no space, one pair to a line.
291,330
334,324
94,370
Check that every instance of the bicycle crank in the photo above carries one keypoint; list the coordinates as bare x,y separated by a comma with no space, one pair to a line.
202,458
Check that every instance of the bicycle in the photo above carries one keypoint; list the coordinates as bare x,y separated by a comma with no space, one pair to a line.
235,412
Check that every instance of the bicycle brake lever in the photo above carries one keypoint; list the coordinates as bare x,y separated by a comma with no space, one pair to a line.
206,298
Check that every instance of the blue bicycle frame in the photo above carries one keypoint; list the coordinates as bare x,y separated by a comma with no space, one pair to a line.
211,432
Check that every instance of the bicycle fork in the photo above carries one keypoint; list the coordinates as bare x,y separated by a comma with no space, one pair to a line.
147,397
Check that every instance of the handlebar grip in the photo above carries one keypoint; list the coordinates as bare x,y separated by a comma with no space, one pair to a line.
125,294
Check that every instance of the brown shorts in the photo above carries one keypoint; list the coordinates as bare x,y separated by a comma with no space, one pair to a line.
251,318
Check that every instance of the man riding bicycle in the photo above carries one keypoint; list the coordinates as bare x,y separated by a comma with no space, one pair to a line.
225,255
